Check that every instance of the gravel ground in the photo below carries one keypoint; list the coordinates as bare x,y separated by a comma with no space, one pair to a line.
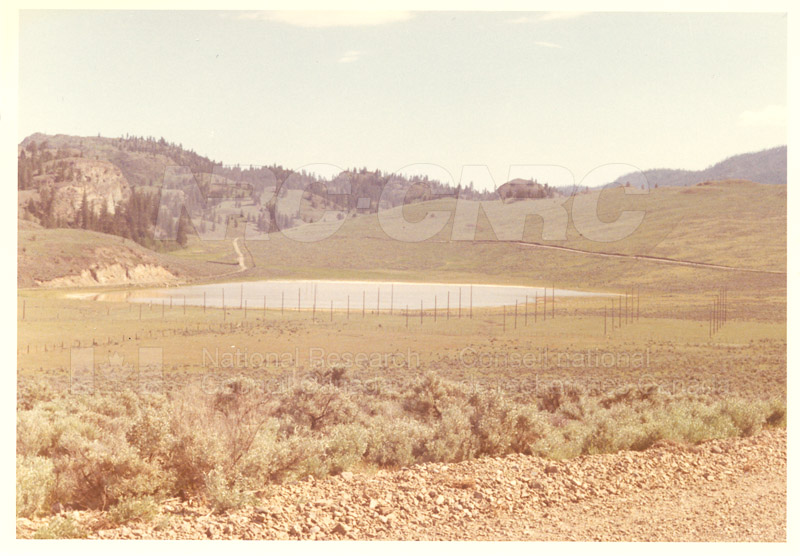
723,490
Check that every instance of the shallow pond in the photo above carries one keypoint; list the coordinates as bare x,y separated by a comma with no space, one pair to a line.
307,294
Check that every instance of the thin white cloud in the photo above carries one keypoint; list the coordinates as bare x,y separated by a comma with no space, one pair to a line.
319,19
552,16
548,44
546,16
772,115
350,56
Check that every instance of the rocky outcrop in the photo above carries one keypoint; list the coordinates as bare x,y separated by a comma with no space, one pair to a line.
101,182
521,189
107,265
112,275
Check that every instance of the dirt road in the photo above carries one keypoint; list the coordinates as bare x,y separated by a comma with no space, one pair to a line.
240,255
647,258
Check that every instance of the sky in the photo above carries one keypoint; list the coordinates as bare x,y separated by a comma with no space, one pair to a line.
574,97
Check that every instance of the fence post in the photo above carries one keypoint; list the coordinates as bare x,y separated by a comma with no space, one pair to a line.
470,301
710,319
714,314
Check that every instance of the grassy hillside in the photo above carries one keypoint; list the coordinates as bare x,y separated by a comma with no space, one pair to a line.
732,223
735,224
46,254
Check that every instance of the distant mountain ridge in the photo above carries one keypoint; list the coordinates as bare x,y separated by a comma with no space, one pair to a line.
767,167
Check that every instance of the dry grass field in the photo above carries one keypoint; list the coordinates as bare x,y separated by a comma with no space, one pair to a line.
239,400
726,223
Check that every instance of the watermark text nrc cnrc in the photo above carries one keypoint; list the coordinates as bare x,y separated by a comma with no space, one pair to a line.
466,358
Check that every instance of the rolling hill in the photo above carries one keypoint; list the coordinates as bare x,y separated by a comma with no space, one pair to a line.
767,167
83,258
733,223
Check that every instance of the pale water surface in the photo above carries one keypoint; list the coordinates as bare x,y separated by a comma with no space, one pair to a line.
306,294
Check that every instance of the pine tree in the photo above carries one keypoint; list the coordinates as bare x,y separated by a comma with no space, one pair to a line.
83,213
182,236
